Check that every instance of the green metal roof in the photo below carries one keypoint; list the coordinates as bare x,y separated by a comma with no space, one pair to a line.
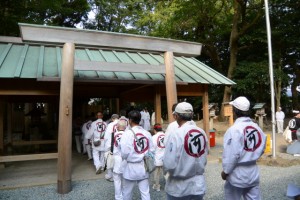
43,61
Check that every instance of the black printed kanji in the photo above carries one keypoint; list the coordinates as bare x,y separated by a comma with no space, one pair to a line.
142,143
194,143
160,141
252,138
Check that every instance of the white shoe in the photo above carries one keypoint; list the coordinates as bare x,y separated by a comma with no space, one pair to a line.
110,179
154,187
158,188
107,176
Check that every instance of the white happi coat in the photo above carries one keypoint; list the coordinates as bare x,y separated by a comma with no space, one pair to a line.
185,161
159,147
133,153
244,143
96,132
117,153
145,118
111,127
172,127
85,128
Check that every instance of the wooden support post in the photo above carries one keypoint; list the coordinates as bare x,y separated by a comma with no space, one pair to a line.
64,161
205,111
117,105
171,91
157,105
9,126
1,127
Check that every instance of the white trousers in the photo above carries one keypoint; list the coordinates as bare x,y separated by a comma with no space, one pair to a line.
235,193
84,147
157,174
118,186
109,173
78,143
279,126
128,186
88,148
98,158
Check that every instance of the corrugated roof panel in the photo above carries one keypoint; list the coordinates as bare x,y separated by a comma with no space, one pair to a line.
138,60
122,75
50,62
194,71
221,79
59,59
150,60
83,54
194,77
10,61
31,62
95,55
161,59
2,48
21,62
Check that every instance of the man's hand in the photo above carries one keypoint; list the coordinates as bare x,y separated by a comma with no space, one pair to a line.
223,175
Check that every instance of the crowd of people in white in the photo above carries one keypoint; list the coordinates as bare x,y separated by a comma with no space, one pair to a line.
122,161
124,146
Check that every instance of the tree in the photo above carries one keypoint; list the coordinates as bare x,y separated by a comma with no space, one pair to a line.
285,17
66,13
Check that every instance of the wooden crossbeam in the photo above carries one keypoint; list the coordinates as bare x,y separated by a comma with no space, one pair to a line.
43,156
118,67
33,142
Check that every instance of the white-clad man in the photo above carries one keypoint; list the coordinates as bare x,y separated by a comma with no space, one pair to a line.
185,157
123,118
87,146
110,130
146,120
117,167
96,135
136,143
159,147
173,126
244,143
279,120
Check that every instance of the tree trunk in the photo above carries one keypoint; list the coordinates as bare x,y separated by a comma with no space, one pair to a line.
294,85
278,84
233,54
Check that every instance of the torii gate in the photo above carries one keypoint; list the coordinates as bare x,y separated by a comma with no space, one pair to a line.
69,38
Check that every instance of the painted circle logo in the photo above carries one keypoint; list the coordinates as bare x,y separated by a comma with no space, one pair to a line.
142,143
160,141
292,123
252,139
117,139
194,143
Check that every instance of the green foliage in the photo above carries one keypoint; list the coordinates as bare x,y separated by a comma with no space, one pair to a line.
52,12
253,80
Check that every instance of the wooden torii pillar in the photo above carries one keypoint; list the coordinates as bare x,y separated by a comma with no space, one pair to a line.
64,162
157,101
171,91
205,103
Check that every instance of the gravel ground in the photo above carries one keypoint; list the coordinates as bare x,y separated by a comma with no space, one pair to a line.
274,181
